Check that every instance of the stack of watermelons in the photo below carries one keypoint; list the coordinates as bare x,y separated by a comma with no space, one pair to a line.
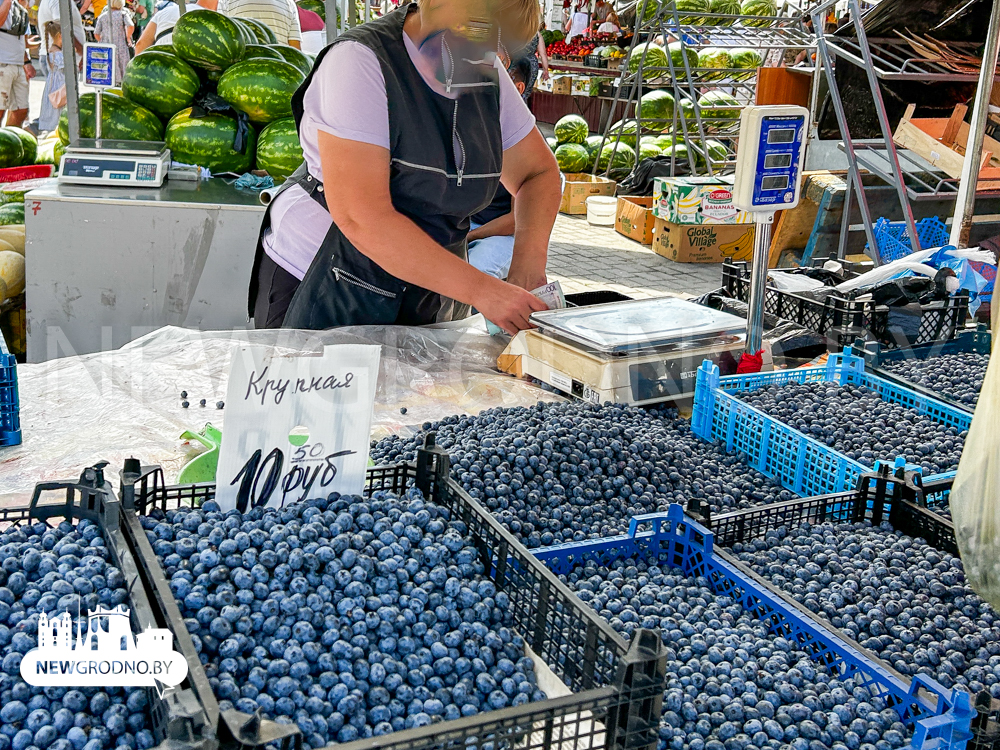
239,60
17,147
571,133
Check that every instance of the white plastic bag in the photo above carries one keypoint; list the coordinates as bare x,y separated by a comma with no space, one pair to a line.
975,495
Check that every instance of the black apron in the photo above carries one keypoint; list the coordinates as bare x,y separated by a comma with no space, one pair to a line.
446,155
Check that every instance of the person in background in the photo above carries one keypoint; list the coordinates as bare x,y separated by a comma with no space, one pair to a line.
610,24
115,26
161,25
578,21
602,9
313,31
48,10
15,62
55,80
280,16
491,238
141,11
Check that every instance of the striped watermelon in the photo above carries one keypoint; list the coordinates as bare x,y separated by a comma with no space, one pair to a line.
120,118
160,82
249,35
160,48
208,142
208,39
316,6
296,57
278,150
262,30
12,213
261,51
261,88
28,142
11,150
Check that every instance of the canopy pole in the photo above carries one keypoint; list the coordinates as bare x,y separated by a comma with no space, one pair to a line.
69,56
965,203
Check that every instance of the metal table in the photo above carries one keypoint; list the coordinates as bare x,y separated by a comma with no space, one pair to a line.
107,265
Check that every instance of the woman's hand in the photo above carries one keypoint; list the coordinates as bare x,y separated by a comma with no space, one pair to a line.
508,306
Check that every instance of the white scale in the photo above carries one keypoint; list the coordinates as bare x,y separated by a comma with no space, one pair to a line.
106,161
649,351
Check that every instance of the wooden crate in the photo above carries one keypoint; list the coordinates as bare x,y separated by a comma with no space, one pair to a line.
942,140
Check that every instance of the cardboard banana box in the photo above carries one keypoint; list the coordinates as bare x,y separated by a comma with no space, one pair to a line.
703,243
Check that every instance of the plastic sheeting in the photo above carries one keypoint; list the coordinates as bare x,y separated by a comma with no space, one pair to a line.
108,406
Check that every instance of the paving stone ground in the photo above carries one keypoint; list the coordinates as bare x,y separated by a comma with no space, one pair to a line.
584,258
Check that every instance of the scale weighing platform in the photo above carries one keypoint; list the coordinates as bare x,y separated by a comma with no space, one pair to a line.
633,352
113,162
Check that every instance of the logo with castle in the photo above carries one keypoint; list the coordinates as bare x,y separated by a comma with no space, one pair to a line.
101,650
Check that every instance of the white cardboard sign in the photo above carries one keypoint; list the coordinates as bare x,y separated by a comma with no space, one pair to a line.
297,427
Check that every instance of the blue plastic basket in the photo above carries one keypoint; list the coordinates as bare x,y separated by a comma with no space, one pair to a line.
941,718
800,463
10,406
894,243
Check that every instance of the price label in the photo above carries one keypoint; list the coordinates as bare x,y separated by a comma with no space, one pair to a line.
297,427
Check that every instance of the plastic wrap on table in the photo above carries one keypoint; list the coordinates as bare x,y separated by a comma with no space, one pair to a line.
111,405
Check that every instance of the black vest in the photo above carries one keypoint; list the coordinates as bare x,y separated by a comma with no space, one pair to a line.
446,155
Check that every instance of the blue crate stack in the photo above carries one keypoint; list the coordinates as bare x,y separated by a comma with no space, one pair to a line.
10,407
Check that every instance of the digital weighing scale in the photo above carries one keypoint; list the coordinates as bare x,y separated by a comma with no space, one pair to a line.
109,162
632,352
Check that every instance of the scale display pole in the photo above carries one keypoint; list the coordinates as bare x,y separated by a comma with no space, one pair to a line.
99,72
769,161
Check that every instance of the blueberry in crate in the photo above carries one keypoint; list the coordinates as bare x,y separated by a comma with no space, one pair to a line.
958,376
52,570
560,472
351,617
897,596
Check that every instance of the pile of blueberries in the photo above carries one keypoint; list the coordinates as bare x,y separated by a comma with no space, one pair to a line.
732,685
857,422
957,376
902,599
54,570
350,617
563,472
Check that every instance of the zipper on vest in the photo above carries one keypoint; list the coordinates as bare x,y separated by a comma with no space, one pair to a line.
451,65
456,138
350,278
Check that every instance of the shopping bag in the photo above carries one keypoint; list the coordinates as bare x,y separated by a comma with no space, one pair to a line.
975,494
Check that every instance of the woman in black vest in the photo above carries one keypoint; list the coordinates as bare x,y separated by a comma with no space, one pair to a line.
408,124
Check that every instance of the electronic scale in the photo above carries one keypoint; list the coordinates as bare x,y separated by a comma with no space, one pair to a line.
101,161
631,352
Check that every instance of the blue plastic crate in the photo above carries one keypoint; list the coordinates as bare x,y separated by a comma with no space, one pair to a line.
941,718
800,463
894,243
10,406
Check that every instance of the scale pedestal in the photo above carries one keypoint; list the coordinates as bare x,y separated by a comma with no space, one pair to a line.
634,352
113,162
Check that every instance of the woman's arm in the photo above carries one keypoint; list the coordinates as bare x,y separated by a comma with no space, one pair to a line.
531,175
543,58
356,183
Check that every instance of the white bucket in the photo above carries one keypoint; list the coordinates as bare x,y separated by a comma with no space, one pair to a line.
601,210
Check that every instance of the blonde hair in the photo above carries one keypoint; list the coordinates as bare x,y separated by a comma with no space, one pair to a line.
520,18
116,4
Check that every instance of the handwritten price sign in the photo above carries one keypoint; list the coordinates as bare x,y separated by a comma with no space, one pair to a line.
296,426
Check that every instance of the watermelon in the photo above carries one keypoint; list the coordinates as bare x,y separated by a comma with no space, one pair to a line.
262,30
663,142
717,152
678,51
316,6
571,129
552,143
689,6
686,113
593,143
719,106
120,118
11,150
12,213
629,130
746,59
653,57
728,7
648,151
679,152
262,51
656,110
766,8
651,8
616,156
713,58
28,142
572,157
158,48
162,83
208,142
113,92
278,150
208,39
248,31
261,88
46,151
298,58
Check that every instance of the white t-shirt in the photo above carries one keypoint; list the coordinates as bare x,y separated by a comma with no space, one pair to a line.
347,99
48,10
165,20
578,26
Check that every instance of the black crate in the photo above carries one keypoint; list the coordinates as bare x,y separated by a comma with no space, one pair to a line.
617,687
842,319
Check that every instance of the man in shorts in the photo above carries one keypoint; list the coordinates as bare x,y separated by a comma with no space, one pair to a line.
15,63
